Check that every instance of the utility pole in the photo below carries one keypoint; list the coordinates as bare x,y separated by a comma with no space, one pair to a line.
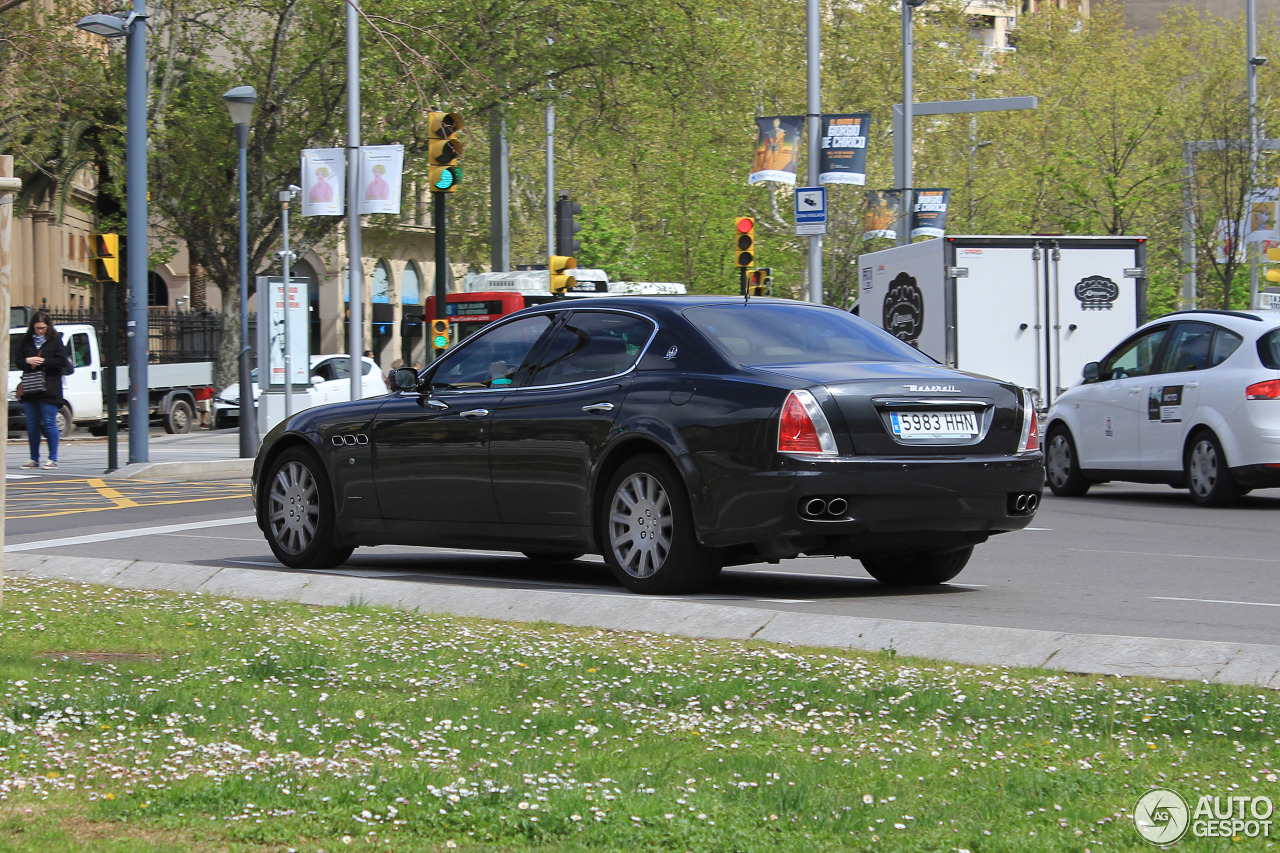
813,120
355,248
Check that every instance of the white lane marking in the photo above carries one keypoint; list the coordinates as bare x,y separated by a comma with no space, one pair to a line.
20,476
128,534
1180,556
1215,601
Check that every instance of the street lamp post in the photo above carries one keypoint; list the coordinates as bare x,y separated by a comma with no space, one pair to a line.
240,101
134,28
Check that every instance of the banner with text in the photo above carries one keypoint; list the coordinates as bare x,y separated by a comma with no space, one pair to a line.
844,149
1262,216
880,216
324,175
929,213
777,151
381,167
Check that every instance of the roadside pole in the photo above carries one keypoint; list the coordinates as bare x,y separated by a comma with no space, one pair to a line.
9,187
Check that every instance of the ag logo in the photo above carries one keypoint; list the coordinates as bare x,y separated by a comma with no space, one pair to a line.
1161,816
904,309
1097,293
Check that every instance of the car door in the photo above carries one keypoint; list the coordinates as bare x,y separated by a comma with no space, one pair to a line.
1192,349
431,450
1111,410
548,432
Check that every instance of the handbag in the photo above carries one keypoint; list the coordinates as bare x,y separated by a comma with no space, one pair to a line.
32,383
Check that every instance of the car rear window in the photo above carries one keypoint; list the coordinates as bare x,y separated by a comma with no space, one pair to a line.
1269,349
766,333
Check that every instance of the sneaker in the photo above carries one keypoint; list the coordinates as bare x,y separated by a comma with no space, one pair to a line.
49,463
32,464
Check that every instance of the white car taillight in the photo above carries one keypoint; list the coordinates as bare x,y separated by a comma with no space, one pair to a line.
803,428
1030,439
1269,390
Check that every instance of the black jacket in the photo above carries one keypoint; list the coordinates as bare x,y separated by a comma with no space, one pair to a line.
57,363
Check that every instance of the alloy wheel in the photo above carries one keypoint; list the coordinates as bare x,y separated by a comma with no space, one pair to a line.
293,507
1203,469
641,522
1060,461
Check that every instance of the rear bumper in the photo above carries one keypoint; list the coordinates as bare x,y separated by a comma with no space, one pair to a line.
890,504
1257,476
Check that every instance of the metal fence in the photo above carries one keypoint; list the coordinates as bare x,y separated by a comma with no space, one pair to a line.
172,336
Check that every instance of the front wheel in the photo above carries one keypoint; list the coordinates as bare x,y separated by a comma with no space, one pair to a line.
924,568
647,534
1062,465
1208,479
299,513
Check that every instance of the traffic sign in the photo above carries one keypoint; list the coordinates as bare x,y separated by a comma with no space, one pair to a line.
811,211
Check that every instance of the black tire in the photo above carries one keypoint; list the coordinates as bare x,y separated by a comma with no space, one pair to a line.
1062,465
66,425
924,568
298,509
179,418
552,556
647,533
1208,479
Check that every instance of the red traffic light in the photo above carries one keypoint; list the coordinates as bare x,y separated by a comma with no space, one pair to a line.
746,224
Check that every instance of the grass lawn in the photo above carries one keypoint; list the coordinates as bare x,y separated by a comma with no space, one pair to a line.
147,721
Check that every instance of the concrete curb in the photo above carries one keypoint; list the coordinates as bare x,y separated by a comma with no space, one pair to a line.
1184,660
209,469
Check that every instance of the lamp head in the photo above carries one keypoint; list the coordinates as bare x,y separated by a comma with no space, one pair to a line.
111,26
240,101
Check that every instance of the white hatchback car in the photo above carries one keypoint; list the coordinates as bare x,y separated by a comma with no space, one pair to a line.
330,383
1191,399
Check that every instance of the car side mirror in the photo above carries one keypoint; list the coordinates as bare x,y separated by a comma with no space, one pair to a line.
1092,371
404,379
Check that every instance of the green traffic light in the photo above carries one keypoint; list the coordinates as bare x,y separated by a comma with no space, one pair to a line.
440,341
448,177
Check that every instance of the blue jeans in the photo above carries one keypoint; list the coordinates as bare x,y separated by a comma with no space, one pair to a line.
41,416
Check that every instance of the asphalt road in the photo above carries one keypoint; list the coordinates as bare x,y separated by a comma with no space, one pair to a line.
1128,560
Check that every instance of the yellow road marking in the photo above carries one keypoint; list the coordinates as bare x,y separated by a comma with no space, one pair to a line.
101,487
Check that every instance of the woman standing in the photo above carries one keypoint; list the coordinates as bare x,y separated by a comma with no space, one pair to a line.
43,359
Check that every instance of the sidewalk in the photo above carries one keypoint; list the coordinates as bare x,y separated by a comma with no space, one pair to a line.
204,455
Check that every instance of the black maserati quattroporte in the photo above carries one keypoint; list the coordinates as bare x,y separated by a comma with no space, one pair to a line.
672,435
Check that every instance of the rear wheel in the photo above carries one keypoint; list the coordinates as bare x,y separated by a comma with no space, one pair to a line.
299,513
647,534
1208,479
1062,465
179,418
923,568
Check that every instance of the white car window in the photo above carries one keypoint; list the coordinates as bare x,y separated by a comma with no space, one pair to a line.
1189,348
1135,357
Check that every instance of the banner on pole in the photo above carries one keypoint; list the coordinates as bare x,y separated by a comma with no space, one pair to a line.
880,217
276,307
777,151
381,169
324,176
844,149
929,213
1262,216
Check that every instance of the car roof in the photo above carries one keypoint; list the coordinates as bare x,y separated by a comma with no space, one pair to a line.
1246,322
669,305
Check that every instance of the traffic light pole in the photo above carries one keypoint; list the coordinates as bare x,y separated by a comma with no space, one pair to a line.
442,261
109,376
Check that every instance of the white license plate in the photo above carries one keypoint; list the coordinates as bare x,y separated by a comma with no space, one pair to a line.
934,424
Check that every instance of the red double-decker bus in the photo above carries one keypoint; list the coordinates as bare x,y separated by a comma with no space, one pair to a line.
470,312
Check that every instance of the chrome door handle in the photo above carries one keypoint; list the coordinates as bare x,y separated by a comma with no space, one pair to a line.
475,414
1193,384
598,408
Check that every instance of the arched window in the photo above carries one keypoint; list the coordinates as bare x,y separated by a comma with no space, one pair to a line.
380,284
411,287
157,291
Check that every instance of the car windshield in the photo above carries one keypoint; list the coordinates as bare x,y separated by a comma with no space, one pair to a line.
766,333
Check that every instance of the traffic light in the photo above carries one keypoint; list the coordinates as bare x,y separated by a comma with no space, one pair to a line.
1273,255
760,282
745,242
104,256
566,225
444,150
440,334
560,279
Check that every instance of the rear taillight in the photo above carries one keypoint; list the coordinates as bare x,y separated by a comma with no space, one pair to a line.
1030,439
803,428
1269,390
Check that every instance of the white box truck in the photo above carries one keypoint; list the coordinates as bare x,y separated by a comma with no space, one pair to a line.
1031,310
170,387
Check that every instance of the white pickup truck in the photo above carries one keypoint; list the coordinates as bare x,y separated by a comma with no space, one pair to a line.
170,387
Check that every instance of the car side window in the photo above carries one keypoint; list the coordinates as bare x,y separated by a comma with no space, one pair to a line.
1189,348
1269,350
491,359
1224,344
592,345
79,349
1135,357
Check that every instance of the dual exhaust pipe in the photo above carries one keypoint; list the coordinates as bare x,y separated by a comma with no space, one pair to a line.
1023,504
826,509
